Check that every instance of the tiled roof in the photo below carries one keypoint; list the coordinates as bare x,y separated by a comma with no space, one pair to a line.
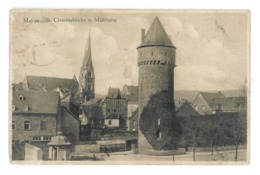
186,110
52,83
156,36
37,102
132,93
209,97
59,140
112,116
95,101
113,93
229,103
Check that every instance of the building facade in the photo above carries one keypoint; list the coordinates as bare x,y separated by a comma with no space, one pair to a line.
204,102
156,62
115,104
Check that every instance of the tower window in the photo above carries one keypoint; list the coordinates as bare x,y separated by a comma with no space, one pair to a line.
158,134
21,97
158,121
89,87
89,74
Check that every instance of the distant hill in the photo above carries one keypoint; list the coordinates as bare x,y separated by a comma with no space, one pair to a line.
185,94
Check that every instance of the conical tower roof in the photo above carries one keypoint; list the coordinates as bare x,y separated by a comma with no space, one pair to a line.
156,36
87,60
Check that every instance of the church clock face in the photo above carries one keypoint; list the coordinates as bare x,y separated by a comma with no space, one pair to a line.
39,54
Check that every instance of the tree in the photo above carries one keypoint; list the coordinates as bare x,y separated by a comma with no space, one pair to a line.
211,130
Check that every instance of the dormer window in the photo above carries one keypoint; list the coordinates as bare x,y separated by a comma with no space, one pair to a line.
25,108
21,98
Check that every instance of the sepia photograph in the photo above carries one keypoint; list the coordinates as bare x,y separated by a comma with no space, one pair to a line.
149,87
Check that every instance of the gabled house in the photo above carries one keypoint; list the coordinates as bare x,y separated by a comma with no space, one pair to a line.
203,103
67,89
36,117
115,104
186,110
131,94
112,120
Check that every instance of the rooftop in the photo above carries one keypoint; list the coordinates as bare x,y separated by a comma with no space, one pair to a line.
156,36
41,83
35,102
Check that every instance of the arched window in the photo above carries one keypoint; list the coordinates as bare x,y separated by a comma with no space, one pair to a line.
21,97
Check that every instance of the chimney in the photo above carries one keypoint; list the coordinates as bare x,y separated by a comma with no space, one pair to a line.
143,34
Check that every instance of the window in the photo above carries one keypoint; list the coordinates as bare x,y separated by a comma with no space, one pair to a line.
140,53
13,125
89,74
134,122
13,107
43,125
21,97
108,110
109,122
158,134
158,121
114,110
89,87
152,53
27,125
165,53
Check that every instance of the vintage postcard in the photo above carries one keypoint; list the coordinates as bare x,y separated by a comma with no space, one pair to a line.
129,86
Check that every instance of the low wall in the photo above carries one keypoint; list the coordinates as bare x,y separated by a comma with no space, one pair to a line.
32,152
218,148
164,152
93,148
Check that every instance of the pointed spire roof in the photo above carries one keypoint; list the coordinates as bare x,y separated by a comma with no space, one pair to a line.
87,60
156,36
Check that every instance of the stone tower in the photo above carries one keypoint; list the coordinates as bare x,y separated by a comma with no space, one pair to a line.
87,75
156,62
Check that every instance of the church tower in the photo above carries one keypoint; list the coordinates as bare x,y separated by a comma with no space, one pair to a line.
87,75
156,110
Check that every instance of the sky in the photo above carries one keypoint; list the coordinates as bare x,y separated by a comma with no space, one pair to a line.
212,46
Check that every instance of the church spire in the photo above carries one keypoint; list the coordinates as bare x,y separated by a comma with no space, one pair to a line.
87,60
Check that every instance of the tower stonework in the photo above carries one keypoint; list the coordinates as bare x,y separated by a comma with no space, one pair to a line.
156,62
87,76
